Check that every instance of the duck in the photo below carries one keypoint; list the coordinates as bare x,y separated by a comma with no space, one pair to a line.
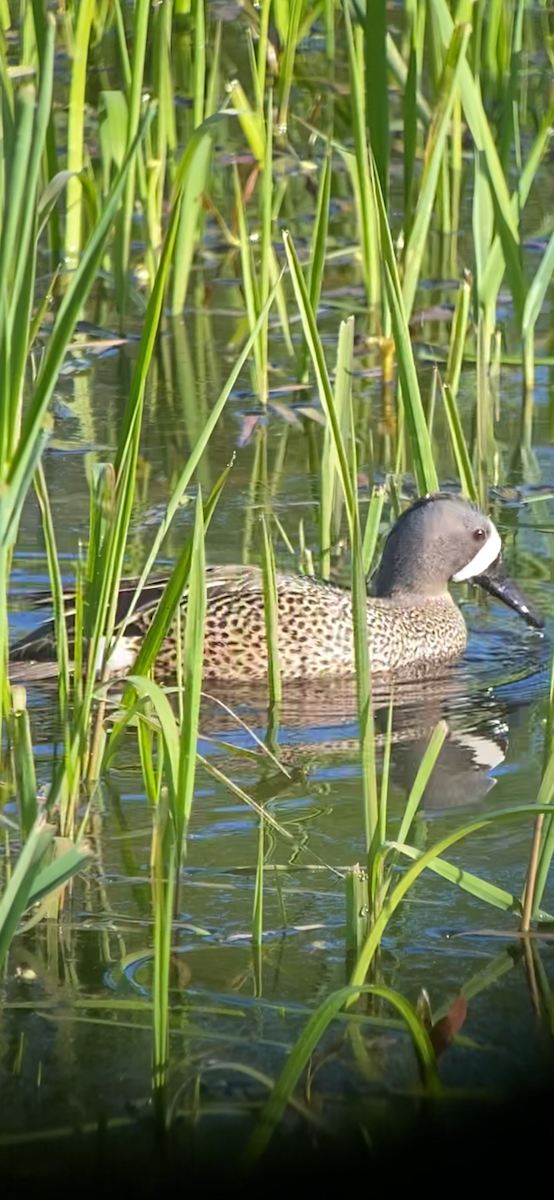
414,626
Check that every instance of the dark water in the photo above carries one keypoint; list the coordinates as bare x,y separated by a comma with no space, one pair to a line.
76,1040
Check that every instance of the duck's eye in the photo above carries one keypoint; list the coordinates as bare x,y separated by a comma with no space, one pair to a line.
479,535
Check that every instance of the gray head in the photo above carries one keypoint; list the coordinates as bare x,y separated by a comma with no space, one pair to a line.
441,538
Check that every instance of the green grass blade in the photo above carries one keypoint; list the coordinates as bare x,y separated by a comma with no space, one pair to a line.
313,340
191,211
251,121
359,165
422,450
56,587
376,84
75,131
494,268
57,873
371,531
423,775
271,616
538,288
306,1044
459,445
458,338
397,895
168,726
193,667
15,899
23,759
319,237
68,313
481,888
409,112
286,73
123,238
434,154
331,493
258,905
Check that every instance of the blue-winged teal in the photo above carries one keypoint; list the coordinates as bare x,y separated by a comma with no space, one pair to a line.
413,623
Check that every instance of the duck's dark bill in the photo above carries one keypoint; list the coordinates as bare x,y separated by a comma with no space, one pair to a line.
497,581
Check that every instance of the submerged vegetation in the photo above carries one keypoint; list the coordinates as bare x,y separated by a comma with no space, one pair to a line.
150,152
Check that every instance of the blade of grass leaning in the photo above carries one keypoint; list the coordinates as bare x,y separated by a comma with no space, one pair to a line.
251,120
58,872
165,614
193,667
22,285
422,450
271,617
485,143
166,724
82,279
15,898
371,531
191,209
286,73
126,459
436,851
56,588
266,251
162,873
420,441
348,481
489,893
494,267
313,1032
409,115
75,131
385,772
546,850
320,367
398,68
249,281
359,615
199,61
197,452
376,88
23,760
532,307
458,336
51,155
258,904
18,166
331,494
417,790
318,247
459,445
365,199
122,246
434,155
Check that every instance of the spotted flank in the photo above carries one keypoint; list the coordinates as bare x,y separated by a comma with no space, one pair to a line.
413,623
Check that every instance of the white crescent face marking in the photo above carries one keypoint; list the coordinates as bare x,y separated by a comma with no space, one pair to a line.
483,559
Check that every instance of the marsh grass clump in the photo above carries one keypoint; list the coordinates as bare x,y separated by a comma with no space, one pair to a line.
170,160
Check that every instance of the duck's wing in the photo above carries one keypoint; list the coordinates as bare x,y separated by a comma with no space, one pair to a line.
40,644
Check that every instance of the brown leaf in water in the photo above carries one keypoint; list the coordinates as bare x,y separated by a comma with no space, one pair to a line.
445,1030
247,428
250,184
313,414
287,414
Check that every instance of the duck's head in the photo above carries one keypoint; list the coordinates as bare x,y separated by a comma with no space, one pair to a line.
444,538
